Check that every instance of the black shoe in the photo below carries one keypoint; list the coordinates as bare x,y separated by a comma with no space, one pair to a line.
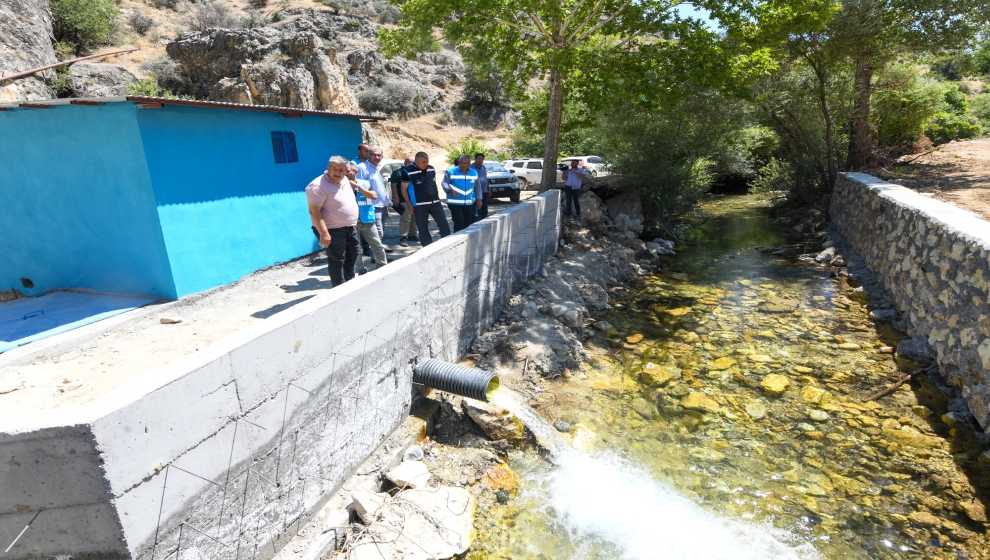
580,217
363,272
403,242
413,238
387,250
367,254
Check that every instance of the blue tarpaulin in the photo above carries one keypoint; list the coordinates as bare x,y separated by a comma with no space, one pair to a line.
26,320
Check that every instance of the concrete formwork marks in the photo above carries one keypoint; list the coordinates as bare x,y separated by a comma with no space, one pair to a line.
222,454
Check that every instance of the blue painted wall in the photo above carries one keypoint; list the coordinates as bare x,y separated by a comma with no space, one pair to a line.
226,208
76,204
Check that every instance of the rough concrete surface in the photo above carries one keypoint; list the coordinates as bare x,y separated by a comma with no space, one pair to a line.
223,450
932,257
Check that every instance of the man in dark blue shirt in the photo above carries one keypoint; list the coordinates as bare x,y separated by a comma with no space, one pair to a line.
419,189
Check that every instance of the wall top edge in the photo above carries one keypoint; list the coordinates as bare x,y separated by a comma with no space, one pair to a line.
953,219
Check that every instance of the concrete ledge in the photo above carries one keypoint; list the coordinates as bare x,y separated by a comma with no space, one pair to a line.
932,257
224,450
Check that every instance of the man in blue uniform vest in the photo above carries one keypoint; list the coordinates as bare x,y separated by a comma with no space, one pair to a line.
419,189
463,192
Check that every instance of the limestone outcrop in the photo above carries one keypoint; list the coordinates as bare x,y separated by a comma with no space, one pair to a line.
25,43
262,66
92,79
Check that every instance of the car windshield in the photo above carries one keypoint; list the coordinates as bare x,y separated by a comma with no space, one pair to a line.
495,167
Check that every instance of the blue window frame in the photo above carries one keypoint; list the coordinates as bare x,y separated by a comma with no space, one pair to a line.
284,146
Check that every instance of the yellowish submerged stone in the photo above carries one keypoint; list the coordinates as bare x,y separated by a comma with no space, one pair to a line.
775,384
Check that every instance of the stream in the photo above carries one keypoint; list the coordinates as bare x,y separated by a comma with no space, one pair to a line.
726,416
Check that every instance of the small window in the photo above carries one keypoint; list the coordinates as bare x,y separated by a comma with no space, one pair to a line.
284,146
517,164
534,165
595,159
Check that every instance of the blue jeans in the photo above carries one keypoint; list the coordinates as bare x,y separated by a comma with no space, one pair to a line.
572,196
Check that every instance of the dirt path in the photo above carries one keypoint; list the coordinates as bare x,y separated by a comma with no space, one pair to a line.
957,172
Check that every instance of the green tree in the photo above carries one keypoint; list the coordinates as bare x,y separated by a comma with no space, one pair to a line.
85,23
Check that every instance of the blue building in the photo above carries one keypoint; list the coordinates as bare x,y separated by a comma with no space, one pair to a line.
157,197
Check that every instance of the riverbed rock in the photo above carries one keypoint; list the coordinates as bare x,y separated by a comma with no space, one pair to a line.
974,510
501,477
818,415
826,255
756,410
657,376
646,409
419,525
414,453
530,310
915,349
775,384
925,519
409,474
562,426
495,421
700,402
779,305
722,363
815,396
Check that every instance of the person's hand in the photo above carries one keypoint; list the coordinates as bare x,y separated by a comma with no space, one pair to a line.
478,205
412,210
325,240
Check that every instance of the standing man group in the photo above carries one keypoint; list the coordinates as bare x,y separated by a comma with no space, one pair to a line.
350,198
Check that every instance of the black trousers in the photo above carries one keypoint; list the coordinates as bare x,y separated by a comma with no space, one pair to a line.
462,214
423,214
341,254
572,195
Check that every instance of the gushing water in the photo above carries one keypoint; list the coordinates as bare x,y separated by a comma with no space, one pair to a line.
606,499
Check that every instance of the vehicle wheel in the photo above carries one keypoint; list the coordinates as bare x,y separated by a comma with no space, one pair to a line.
514,197
523,183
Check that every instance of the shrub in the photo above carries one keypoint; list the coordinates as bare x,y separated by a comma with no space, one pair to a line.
140,23
253,20
164,69
467,147
776,176
393,98
170,4
485,84
61,82
979,107
334,5
903,104
387,13
258,3
946,126
211,15
148,87
87,23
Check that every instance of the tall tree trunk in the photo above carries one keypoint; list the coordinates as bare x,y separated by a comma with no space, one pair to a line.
829,135
861,141
555,112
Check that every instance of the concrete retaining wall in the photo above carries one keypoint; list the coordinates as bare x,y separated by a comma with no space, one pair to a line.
217,454
932,257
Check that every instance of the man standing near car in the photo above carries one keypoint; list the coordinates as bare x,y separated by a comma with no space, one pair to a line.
407,223
572,189
463,192
479,167
419,190
333,210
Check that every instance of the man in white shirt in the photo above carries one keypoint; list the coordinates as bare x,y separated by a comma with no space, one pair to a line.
572,189
369,172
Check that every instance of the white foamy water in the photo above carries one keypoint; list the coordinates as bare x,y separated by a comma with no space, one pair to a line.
608,500
605,498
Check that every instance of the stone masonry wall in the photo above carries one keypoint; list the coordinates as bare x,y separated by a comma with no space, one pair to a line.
222,453
932,258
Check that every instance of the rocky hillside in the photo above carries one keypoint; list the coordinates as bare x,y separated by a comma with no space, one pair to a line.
25,43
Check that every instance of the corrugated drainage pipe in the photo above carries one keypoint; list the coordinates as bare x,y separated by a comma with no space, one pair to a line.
464,381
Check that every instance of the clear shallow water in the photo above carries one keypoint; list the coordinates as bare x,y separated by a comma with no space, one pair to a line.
708,463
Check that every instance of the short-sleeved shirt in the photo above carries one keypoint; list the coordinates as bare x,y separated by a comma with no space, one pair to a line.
574,176
482,176
370,173
338,206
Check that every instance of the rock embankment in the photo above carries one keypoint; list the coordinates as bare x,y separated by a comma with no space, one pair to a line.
25,43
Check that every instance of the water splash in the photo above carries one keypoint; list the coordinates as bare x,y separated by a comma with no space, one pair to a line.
607,500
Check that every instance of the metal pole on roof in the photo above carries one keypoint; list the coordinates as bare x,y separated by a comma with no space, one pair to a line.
63,63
